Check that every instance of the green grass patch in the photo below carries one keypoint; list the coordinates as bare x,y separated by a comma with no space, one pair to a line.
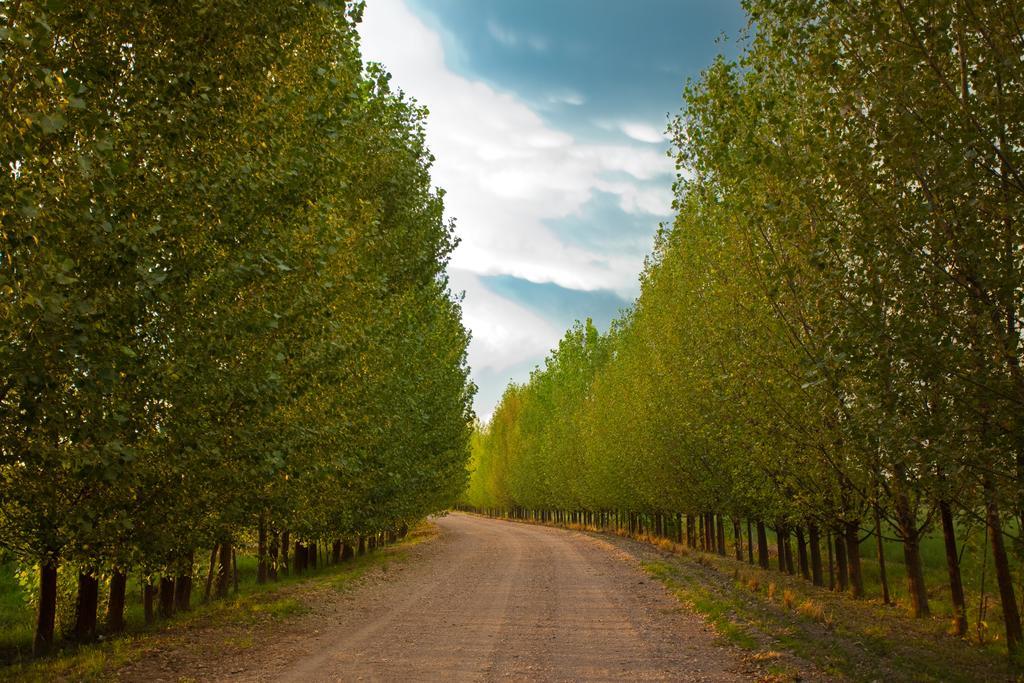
280,609
87,663
716,610
976,568
17,619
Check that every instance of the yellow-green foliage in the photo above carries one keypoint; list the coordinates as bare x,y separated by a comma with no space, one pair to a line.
832,322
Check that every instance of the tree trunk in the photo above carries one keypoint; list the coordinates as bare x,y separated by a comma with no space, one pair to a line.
115,601
853,559
166,597
275,554
1007,598
737,538
262,561
915,575
788,546
183,589
841,568
750,541
148,598
907,523
47,614
209,575
86,605
815,543
801,548
224,570
721,536
956,586
880,549
285,545
831,562
762,545
780,548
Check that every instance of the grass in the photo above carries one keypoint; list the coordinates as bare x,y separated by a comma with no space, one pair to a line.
976,567
984,612
716,610
17,619
815,611
253,604
279,609
859,640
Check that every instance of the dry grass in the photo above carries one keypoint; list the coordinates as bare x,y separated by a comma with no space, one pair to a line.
766,656
666,545
780,677
812,610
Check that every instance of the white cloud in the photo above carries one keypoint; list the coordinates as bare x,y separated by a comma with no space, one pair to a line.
655,200
504,333
635,130
502,35
510,38
508,174
643,132
570,97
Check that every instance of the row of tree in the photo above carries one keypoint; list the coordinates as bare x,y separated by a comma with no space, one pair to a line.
223,300
828,337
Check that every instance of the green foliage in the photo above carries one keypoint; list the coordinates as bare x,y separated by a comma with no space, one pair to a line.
222,285
830,328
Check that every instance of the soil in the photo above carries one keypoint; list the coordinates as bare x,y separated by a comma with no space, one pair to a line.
485,600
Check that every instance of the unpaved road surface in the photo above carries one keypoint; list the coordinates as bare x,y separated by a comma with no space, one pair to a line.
491,600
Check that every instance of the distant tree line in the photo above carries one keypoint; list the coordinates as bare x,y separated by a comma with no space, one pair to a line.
828,337
223,301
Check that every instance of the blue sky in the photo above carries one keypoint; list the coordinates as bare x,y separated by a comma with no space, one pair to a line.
547,121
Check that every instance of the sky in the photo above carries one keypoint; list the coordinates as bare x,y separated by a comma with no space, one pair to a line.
547,121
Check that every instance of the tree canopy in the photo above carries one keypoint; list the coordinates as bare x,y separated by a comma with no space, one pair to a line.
223,299
829,331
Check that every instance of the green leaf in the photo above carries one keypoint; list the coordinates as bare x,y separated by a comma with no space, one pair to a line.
51,123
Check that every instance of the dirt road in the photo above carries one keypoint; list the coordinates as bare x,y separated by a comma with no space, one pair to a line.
506,600
491,600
